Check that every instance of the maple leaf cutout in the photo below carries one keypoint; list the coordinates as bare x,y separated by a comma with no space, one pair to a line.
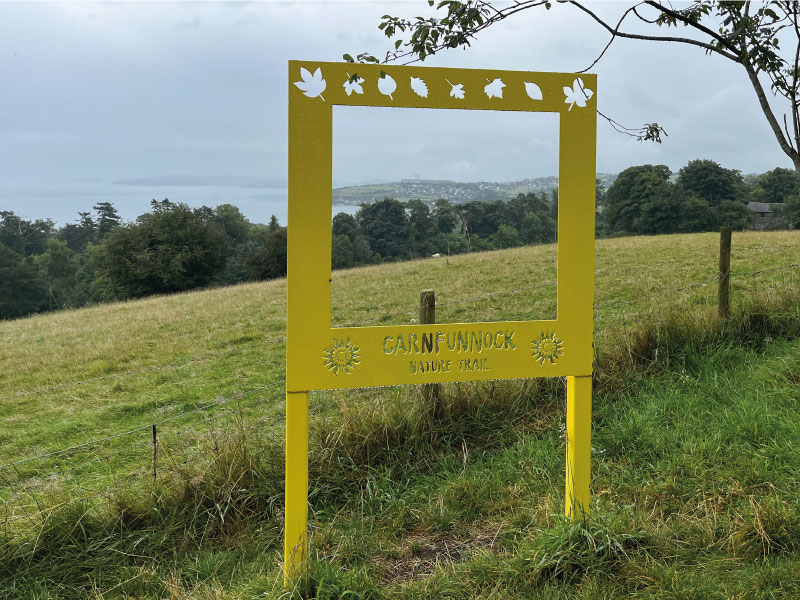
419,87
577,94
534,91
495,88
312,85
457,91
387,85
353,85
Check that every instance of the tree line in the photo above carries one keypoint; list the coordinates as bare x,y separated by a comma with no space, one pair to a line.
175,248
390,230
172,248
704,196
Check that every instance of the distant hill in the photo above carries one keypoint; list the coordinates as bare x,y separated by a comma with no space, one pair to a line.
454,191
424,189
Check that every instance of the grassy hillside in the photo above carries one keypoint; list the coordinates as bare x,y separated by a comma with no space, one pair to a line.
694,472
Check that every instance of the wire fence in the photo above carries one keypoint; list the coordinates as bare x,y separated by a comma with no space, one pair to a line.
27,496
93,468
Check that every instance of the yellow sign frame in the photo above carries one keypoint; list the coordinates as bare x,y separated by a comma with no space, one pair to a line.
319,356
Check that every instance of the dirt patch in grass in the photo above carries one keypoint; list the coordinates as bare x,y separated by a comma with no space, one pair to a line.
423,551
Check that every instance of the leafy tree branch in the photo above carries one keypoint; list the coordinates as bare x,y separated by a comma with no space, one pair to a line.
749,34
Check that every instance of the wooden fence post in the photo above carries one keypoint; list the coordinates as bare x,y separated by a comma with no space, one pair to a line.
430,392
724,294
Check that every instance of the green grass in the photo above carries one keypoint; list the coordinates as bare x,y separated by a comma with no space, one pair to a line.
695,433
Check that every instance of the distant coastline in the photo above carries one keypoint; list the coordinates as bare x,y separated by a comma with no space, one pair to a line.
204,180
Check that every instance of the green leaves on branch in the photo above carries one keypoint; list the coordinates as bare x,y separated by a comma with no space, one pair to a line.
746,33
429,35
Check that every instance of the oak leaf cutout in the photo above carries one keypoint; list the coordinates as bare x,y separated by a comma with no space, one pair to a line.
312,85
353,85
387,85
534,91
495,88
419,87
577,94
457,91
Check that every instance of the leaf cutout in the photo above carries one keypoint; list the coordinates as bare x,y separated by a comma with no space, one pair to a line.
533,90
495,88
353,85
419,87
577,94
457,91
387,85
312,85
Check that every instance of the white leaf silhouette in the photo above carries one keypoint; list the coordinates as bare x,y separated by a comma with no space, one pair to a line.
457,91
495,88
387,85
312,85
577,94
533,90
419,87
353,86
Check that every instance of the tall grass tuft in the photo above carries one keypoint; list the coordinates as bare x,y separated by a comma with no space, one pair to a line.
678,338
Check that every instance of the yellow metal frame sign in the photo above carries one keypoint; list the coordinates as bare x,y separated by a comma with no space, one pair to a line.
319,356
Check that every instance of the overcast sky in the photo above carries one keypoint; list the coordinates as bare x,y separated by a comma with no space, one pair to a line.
96,92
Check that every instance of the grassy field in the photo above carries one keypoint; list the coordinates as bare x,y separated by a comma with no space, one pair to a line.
697,485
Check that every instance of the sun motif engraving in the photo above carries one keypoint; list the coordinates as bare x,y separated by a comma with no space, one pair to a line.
547,347
341,356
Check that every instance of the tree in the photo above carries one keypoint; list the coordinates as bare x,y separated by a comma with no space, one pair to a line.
235,225
776,185
711,182
107,219
445,216
422,229
342,252
24,237
599,193
505,237
698,216
734,214
21,289
344,224
356,252
268,261
626,196
77,235
532,215
662,211
385,225
171,249
791,211
58,267
537,229
750,35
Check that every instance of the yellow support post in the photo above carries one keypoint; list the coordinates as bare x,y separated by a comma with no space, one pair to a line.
295,540
579,446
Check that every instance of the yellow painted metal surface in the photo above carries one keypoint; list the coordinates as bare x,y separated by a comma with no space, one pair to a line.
319,356
579,446
295,543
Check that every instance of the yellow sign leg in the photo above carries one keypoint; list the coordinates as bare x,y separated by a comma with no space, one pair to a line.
295,541
579,445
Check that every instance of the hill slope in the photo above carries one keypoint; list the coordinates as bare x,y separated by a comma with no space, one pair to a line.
74,377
